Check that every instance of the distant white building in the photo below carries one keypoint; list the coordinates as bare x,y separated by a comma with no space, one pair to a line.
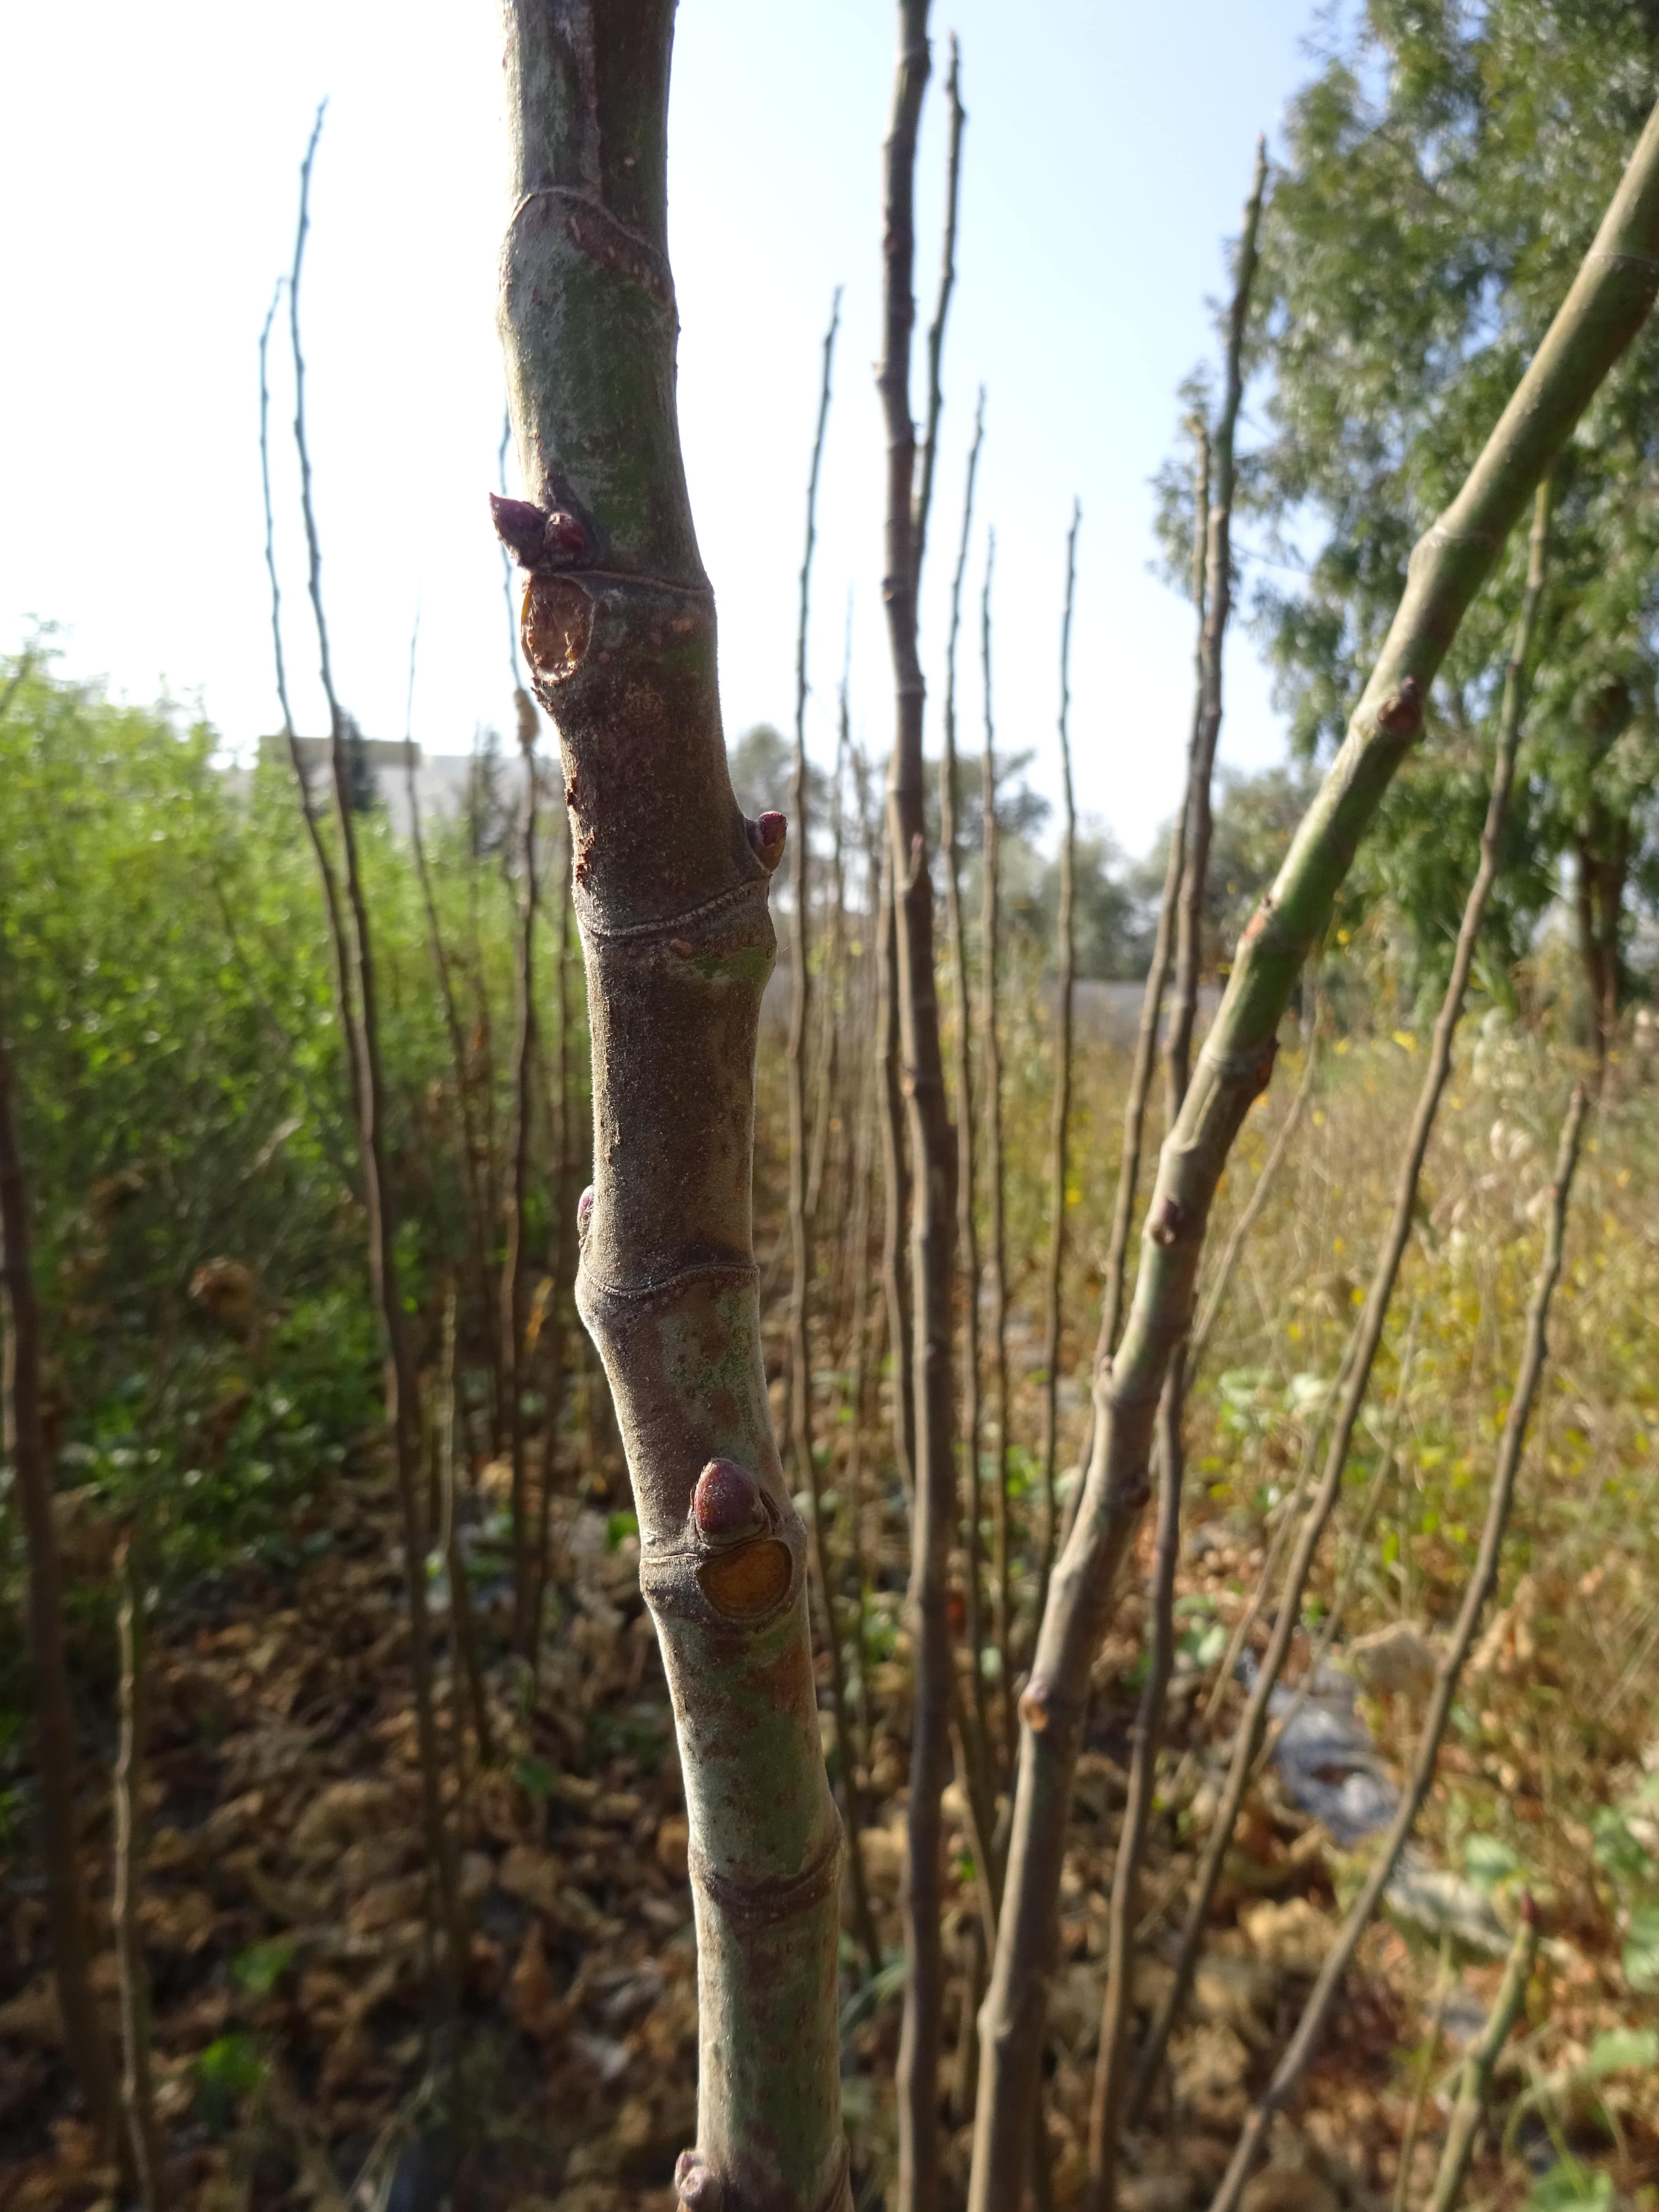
441,780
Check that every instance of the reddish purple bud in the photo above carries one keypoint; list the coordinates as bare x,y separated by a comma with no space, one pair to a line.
584,1211
521,528
766,834
696,2182
726,1500
563,539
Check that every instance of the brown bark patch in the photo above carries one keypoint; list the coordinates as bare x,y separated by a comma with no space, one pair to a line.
558,622
746,1583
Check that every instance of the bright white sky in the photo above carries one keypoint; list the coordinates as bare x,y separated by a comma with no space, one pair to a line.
148,170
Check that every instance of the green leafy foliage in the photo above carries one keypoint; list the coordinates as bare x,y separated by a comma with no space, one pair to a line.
229,2070
262,1965
1622,2050
1444,171
1567,2186
185,1117
1488,1861
1640,1957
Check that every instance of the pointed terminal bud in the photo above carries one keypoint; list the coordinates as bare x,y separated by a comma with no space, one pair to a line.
521,528
584,1211
766,834
726,1501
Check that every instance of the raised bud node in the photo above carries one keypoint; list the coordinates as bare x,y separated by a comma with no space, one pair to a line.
767,834
521,528
727,1501
1402,711
537,539
696,2182
748,1571
584,1211
564,542
1168,1219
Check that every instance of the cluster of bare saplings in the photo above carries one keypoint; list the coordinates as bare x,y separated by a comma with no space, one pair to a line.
897,1240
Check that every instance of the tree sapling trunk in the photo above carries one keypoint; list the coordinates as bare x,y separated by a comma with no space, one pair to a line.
670,887
1061,1120
25,1447
931,1142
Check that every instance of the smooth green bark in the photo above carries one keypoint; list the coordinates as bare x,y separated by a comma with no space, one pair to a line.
1474,2084
1373,1320
671,889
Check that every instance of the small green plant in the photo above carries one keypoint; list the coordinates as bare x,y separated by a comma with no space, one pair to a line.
1569,2187
229,2070
262,1965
